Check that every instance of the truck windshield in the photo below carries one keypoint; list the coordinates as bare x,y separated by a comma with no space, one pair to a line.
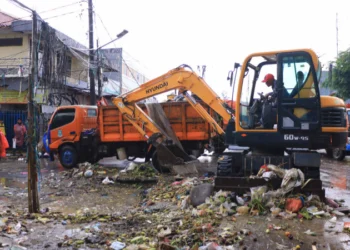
62,117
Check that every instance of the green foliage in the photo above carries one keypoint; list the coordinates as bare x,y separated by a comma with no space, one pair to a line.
339,78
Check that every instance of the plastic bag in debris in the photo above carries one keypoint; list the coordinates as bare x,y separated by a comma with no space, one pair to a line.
206,152
131,166
116,245
220,193
292,178
257,192
239,200
293,204
107,181
280,172
211,246
269,175
205,159
229,206
273,194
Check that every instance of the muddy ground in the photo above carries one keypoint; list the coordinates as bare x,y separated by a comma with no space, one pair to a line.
83,213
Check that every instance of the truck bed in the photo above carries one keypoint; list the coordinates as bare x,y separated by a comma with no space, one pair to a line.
187,124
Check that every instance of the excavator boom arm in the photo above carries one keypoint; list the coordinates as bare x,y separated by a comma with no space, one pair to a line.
184,80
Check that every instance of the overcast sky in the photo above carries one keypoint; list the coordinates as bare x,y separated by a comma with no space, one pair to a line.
164,34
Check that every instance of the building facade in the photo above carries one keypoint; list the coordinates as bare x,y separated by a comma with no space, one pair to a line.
118,69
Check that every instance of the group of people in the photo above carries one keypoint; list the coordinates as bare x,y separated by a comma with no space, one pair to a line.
20,131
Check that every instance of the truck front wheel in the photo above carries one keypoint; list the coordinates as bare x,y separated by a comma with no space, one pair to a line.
338,154
68,156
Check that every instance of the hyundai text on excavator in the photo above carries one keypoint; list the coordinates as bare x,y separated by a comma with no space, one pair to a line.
284,128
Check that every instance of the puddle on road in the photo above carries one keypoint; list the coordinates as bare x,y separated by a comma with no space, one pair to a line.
335,174
113,199
338,194
13,183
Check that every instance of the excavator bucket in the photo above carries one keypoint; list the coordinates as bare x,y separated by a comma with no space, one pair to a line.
170,154
170,157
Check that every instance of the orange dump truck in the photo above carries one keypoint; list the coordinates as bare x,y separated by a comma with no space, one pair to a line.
81,133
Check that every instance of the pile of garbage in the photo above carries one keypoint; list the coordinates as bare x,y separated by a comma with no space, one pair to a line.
188,212
138,172
132,172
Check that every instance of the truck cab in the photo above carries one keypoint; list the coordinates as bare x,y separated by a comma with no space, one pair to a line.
70,128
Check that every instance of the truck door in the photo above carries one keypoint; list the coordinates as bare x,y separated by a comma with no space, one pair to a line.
299,108
63,126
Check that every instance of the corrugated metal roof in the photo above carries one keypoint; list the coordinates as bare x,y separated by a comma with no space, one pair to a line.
5,19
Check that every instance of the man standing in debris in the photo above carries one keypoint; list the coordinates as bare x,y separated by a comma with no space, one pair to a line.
20,132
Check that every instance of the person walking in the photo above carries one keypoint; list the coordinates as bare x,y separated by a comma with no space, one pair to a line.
20,132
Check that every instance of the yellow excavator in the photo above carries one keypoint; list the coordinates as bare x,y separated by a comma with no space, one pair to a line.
281,127
284,127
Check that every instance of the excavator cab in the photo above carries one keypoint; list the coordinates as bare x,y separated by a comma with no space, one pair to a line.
280,120
284,114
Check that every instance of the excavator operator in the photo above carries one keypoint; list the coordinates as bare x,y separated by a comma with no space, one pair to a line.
269,107
270,81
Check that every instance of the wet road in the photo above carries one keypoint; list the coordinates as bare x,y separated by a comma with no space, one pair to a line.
335,176
61,192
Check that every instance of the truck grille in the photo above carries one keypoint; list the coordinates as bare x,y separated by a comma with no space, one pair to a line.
333,117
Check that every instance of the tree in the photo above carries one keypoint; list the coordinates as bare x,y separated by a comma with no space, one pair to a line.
339,75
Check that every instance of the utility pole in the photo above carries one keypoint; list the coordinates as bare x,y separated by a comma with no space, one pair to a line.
91,56
120,35
98,72
33,200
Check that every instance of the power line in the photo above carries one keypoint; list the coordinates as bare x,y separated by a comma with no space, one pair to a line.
60,7
61,15
43,19
45,11
26,23
22,6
